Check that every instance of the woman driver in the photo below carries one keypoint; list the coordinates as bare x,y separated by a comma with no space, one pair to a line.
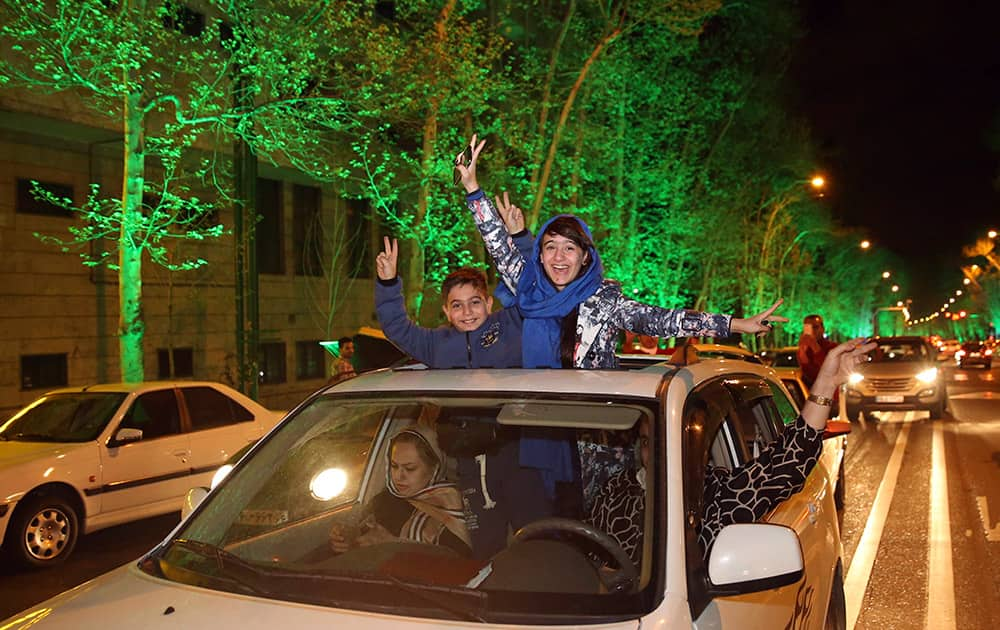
417,504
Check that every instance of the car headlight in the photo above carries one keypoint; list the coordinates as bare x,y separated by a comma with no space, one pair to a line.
855,378
220,474
928,376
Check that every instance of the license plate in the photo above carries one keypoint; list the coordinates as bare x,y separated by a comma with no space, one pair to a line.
889,399
263,517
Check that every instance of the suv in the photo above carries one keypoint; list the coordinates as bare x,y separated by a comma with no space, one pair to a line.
528,450
902,374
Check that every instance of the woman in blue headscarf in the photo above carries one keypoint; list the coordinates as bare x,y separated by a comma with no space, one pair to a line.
572,313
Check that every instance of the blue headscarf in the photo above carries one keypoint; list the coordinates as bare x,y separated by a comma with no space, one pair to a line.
544,307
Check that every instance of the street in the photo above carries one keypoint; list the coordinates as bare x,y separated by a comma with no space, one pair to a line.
920,528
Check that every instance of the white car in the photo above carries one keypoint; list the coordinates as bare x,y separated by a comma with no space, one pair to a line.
80,459
530,452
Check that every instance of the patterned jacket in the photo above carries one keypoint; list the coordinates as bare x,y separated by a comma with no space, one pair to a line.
743,495
602,315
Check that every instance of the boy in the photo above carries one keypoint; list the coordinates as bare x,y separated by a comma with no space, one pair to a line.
474,338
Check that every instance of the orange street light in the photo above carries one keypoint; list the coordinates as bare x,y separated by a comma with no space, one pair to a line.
865,244
992,234
817,182
886,274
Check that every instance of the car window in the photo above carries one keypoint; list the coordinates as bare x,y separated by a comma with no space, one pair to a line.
75,417
788,411
210,408
900,351
757,420
154,413
344,493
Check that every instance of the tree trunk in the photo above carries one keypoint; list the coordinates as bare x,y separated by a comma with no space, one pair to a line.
536,206
543,115
131,327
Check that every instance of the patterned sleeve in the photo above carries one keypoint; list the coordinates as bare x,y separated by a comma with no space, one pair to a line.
657,321
506,256
747,493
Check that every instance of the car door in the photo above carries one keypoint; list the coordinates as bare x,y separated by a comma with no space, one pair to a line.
810,513
149,475
217,426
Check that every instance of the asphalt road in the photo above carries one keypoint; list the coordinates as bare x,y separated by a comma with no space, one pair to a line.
908,565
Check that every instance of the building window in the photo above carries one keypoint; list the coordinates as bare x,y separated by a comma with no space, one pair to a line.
28,204
183,363
359,237
44,371
307,231
269,233
310,360
272,363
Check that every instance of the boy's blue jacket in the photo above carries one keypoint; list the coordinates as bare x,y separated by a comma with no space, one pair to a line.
496,344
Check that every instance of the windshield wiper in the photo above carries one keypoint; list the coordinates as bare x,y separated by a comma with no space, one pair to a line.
462,612
224,561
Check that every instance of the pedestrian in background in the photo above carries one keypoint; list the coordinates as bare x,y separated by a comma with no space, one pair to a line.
813,348
343,369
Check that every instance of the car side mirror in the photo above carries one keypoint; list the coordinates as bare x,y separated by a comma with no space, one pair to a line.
125,435
835,428
192,500
754,557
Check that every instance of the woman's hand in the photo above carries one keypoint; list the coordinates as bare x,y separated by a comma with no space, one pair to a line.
512,216
377,534
759,324
385,262
338,542
468,171
836,368
838,365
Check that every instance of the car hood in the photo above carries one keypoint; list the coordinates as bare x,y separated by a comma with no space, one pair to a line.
894,369
128,598
13,453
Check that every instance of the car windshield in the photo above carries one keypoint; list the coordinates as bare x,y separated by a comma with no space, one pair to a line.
72,417
786,358
890,351
972,346
408,505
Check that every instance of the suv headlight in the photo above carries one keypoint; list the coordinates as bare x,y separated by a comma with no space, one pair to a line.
855,378
928,376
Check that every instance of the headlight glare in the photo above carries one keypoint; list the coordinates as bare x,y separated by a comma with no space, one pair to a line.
928,376
855,378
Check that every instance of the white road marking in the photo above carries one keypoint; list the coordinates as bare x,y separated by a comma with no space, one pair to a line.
863,561
985,395
992,533
940,575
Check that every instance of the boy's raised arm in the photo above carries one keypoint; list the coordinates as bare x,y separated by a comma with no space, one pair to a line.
414,340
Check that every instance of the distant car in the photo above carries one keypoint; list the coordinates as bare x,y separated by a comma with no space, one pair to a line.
257,548
901,375
80,459
947,348
974,353
787,357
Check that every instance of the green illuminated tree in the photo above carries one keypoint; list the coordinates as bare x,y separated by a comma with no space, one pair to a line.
164,75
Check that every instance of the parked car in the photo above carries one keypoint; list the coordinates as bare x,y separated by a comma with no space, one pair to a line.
80,459
256,551
902,374
974,353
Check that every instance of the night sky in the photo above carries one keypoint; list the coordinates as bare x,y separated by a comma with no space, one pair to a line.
902,97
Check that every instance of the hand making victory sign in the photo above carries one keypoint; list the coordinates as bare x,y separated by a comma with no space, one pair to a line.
465,162
512,216
385,262
759,324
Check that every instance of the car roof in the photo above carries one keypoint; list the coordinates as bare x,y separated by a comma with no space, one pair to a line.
128,388
643,383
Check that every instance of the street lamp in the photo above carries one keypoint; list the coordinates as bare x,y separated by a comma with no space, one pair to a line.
817,182
895,288
885,275
992,234
865,244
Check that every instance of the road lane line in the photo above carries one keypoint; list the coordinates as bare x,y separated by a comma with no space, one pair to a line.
864,556
940,577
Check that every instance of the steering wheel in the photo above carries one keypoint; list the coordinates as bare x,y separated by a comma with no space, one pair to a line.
623,580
